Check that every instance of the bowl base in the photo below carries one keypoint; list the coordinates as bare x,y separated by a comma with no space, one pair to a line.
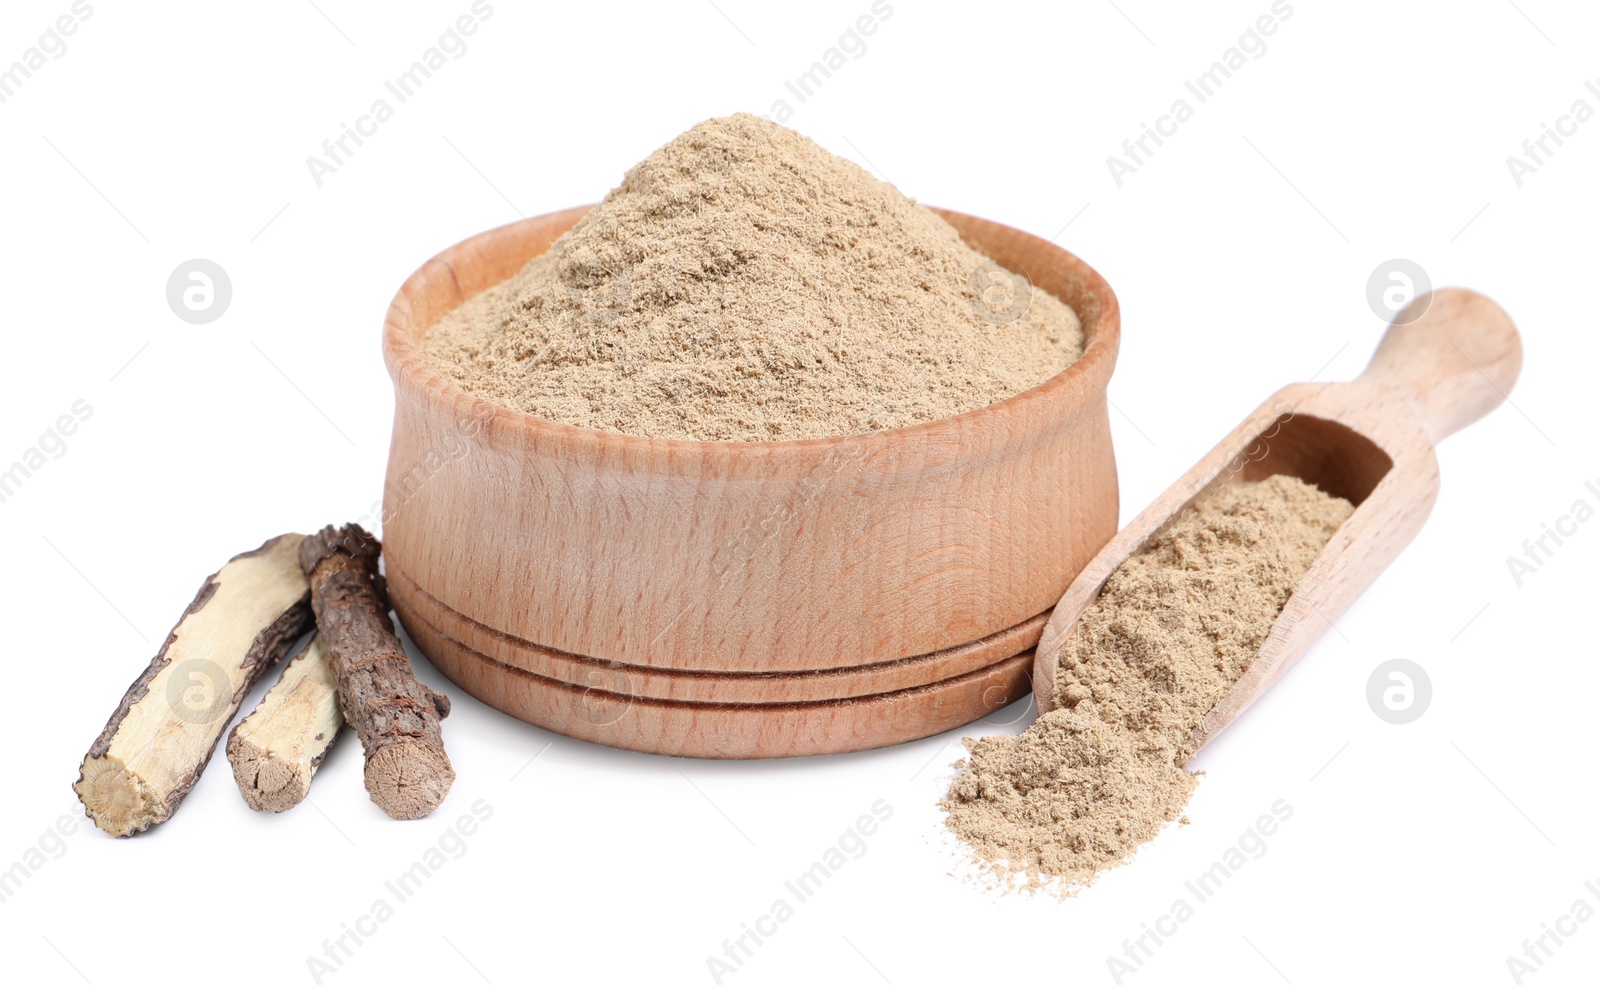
769,715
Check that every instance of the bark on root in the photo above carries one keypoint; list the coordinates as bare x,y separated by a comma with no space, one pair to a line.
396,716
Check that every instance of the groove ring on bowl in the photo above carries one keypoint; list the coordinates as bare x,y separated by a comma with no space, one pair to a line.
716,687
726,731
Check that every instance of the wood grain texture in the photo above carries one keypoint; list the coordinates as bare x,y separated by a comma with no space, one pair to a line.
726,731
746,557
163,733
1370,440
713,687
277,748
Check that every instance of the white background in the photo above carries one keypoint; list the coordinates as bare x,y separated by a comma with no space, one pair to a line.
1368,130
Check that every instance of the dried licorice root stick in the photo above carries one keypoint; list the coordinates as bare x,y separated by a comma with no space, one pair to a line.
277,748
395,715
162,735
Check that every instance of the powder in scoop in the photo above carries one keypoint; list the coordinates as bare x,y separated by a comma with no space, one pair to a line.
744,284
1174,627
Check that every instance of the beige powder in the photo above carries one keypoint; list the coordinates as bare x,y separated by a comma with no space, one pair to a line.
1174,627
744,284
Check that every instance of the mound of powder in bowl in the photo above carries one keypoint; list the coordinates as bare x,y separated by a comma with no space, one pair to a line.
743,284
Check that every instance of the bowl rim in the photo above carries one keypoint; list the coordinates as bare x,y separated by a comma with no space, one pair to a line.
408,368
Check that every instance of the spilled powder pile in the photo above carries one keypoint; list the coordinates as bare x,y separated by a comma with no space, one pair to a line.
1174,627
744,284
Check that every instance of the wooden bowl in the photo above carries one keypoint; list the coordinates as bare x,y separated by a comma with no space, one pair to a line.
579,549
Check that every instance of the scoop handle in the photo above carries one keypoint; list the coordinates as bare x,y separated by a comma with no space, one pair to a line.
1454,352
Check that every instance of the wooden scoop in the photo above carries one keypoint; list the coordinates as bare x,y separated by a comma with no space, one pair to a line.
1448,359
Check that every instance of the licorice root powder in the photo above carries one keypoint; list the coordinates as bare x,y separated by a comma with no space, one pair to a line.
1174,627
743,284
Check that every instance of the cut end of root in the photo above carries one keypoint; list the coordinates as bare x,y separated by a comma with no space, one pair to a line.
267,783
117,801
408,779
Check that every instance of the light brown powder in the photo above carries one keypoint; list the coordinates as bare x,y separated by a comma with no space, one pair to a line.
744,284
1174,627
